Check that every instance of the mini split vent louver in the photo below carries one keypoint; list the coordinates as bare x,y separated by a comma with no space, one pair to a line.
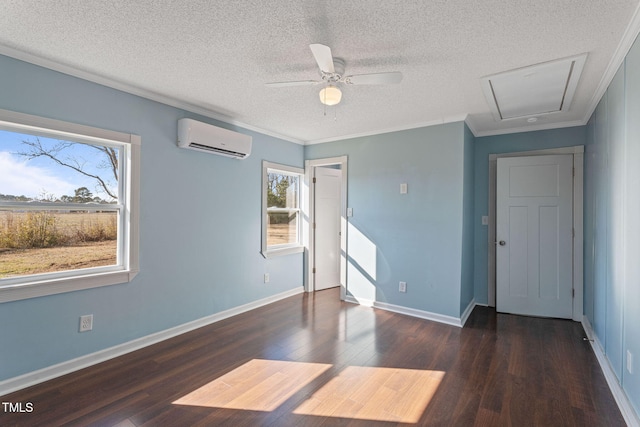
200,136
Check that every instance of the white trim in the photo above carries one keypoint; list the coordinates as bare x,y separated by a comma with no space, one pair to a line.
309,211
444,120
491,232
467,312
58,128
65,284
471,126
55,283
133,164
578,241
294,170
533,128
17,383
577,64
421,314
147,94
628,413
628,38
285,249
549,151
578,238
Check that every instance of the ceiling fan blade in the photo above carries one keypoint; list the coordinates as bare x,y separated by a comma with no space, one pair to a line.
323,57
392,77
297,83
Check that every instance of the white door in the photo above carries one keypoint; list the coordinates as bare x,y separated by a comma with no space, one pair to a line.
328,182
534,234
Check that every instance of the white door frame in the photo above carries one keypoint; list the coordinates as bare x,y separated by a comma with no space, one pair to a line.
578,182
309,211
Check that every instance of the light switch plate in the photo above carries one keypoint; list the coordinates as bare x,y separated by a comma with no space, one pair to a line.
485,220
349,212
403,188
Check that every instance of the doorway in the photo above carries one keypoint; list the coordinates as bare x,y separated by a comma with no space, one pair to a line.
574,260
534,223
327,240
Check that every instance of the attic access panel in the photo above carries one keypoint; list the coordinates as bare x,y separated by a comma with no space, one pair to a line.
535,90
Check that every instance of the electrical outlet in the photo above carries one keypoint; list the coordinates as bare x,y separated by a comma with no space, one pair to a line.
86,323
629,361
402,287
266,277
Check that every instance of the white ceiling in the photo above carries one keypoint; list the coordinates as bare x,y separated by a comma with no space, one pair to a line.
214,57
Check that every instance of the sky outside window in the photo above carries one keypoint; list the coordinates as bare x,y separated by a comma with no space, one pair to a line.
43,177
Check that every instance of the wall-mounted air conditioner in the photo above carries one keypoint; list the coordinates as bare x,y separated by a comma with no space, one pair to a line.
212,139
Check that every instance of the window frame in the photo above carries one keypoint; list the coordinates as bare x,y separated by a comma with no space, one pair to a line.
37,285
288,248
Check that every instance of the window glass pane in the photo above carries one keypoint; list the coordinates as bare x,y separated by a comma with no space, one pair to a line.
45,241
282,190
36,168
282,208
282,227
36,174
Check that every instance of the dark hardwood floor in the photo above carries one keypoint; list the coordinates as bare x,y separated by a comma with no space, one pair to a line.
311,360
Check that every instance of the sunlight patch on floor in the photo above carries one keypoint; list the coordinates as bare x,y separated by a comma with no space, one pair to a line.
357,392
258,385
370,393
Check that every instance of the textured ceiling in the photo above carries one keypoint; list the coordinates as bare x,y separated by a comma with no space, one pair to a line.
215,56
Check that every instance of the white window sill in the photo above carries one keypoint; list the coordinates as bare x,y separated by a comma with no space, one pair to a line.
270,253
66,284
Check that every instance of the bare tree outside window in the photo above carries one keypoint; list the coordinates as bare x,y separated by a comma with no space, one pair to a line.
49,231
64,153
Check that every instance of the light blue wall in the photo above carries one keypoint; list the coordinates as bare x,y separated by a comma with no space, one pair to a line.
200,221
416,237
484,146
631,307
199,232
467,283
614,221
612,234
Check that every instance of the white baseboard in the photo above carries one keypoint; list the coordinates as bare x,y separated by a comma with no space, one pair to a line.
628,413
441,318
467,312
32,378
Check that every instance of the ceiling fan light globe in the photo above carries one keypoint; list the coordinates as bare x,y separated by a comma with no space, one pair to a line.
330,95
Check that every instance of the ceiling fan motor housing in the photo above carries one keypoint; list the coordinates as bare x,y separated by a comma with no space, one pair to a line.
338,67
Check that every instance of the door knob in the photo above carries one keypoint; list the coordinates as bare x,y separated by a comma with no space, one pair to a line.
502,243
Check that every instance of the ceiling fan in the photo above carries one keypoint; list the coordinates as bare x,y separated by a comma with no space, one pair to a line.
332,74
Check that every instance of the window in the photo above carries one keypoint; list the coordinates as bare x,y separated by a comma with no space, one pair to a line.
68,206
282,223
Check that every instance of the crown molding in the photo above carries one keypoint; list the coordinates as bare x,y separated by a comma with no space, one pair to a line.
521,129
628,38
134,90
444,120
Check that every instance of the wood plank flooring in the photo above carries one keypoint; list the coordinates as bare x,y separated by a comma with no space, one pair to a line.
311,360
